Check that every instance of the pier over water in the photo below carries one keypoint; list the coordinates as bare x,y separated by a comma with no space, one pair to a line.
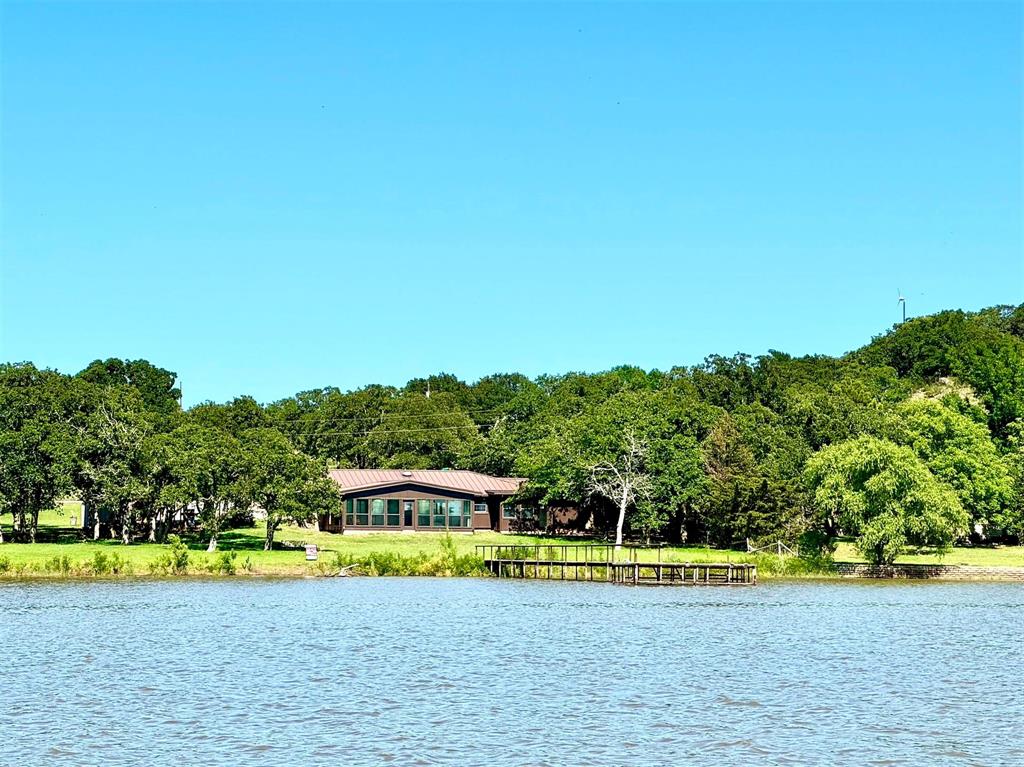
634,565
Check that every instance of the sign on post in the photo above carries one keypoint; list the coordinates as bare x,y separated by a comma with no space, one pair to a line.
311,552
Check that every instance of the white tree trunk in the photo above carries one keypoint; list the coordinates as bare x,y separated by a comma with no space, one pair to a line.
213,544
623,503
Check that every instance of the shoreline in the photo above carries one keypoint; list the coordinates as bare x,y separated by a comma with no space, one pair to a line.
240,554
848,572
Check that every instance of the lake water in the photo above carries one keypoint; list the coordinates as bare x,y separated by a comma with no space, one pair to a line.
366,671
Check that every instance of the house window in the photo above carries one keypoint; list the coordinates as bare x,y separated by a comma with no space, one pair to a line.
350,517
393,518
522,513
454,513
377,512
480,508
423,513
440,510
362,511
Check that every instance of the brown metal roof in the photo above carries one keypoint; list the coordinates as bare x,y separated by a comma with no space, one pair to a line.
465,481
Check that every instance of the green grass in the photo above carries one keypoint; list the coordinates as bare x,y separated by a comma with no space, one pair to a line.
61,516
78,557
379,552
980,556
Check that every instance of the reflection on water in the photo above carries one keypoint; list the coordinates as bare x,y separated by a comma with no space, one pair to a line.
432,671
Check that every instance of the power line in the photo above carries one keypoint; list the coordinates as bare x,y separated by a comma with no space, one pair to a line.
311,429
383,431
398,416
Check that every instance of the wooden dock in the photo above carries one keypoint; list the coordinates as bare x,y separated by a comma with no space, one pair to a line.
633,565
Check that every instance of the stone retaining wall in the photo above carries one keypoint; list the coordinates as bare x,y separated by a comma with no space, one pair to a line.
943,572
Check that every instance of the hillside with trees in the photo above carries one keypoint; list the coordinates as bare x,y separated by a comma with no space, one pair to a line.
914,440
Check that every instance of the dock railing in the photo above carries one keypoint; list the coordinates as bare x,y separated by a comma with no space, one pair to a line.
631,564
570,553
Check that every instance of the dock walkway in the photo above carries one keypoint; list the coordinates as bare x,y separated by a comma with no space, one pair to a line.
634,565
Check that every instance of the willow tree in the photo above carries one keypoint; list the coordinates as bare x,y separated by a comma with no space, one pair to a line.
959,451
885,495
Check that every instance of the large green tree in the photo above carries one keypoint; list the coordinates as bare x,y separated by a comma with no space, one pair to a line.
1012,518
754,490
114,469
200,466
289,486
885,495
959,451
971,347
235,417
637,452
156,385
419,432
38,442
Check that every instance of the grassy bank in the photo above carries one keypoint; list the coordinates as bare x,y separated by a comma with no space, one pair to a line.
1002,556
240,552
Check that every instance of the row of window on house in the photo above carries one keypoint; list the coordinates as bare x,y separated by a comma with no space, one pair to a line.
398,512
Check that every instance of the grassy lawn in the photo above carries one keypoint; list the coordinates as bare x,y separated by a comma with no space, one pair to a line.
287,558
72,557
1003,556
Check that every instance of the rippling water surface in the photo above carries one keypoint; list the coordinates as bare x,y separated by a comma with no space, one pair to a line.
461,672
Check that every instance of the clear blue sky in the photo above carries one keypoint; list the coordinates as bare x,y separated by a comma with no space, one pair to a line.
271,198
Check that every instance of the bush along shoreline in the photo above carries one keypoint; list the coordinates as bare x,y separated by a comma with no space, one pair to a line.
176,559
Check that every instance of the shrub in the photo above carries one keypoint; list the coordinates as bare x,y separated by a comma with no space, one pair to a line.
788,565
446,563
816,544
451,563
391,563
99,565
104,564
60,564
173,561
224,563
5,564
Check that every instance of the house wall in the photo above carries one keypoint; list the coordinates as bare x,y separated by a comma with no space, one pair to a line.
411,492
487,512
543,519
414,493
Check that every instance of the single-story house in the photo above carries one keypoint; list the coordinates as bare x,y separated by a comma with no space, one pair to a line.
430,499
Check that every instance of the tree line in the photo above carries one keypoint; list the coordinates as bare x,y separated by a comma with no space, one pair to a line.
915,439
115,437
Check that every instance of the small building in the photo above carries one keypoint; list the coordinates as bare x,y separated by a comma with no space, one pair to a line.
404,500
